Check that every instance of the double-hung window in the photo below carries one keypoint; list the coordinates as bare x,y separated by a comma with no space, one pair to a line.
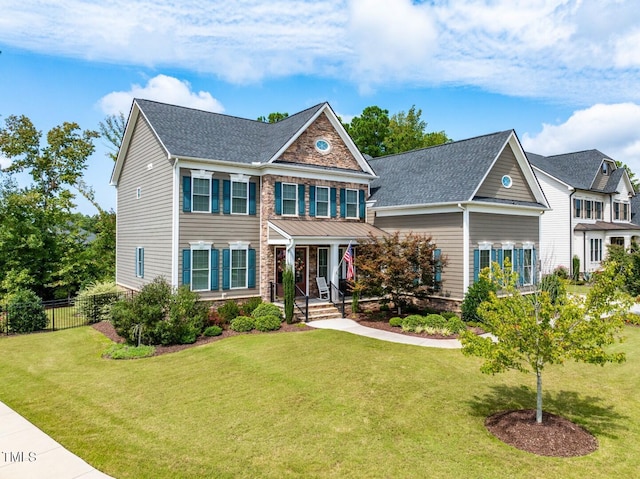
351,199
239,195
322,201
527,264
200,266
577,208
289,199
598,207
484,256
507,257
201,191
596,249
620,211
239,265
323,263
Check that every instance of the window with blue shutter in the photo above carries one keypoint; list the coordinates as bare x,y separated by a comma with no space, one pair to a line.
251,273
252,198
312,200
476,264
301,202
226,269
186,267
186,194
278,197
343,202
215,195
215,269
333,192
361,204
226,197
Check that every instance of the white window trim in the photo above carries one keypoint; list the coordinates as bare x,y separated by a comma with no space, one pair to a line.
282,200
328,201
239,246
239,178
322,152
139,262
201,175
201,246
346,204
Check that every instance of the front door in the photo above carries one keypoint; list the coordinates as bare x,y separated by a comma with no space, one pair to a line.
300,270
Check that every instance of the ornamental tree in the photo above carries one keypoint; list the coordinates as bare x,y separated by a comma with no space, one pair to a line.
530,331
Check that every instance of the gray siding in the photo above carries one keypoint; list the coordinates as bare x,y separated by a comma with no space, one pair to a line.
220,229
506,165
446,231
496,229
135,226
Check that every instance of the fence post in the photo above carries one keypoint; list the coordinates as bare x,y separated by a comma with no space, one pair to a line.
53,318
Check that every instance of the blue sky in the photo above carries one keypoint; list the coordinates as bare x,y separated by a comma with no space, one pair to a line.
564,74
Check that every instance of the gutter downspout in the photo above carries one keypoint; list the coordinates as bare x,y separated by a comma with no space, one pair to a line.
571,233
465,249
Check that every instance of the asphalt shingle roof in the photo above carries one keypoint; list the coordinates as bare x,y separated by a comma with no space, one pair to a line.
578,169
440,174
191,133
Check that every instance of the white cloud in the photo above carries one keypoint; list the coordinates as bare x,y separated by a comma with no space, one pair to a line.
4,162
570,50
612,129
160,88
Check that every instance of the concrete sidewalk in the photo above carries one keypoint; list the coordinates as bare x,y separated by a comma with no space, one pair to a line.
353,327
28,453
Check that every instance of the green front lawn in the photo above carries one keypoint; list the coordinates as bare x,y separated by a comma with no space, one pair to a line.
309,404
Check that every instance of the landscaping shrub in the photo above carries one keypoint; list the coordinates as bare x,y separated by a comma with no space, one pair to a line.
186,318
213,331
267,309
476,294
561,272
25,312
126,351
435,321
443,331
229,310
267,323
95,301
449,315
250,305
413,321
289,285
554,285
455,324
242,324
396,321
575,263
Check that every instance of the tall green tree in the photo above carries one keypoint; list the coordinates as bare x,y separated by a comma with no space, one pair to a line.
273,117
632,176
531,331
370,130
112,130
40,215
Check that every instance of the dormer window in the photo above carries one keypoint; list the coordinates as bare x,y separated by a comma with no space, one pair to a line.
605,168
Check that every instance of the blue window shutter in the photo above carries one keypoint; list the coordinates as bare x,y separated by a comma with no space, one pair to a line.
520,269
226,196
252,198
343,202
437,277
226,269
186,194
500,258
476,264
333,202
186,267
251,273
215,269
301,202
312,200
215,195
493,259
278,199
361,204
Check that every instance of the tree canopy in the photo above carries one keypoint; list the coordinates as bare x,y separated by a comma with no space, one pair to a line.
273,117
532,331
377,134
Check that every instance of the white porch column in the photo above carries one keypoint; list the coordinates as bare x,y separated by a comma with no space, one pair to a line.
291,253
334,260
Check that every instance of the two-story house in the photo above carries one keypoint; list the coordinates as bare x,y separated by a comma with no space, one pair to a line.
222,204
591,201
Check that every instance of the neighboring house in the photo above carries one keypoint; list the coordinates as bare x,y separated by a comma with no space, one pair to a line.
221,203
591,201
478,198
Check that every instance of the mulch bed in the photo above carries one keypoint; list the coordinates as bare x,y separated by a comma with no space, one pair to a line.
555,436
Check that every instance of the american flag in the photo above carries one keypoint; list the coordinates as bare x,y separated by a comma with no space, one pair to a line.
348,260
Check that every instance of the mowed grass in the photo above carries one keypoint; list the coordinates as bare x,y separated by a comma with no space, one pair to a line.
317,404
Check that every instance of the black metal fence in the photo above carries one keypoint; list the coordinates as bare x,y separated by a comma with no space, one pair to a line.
20,318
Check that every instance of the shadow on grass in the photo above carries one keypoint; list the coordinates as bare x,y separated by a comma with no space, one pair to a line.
592,412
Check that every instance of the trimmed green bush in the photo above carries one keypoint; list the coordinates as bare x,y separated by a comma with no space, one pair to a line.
396,321
267,309
213,331
435,321
242,324
25,312
449,315
250,305
477,293
412,322
455,325
267,323
95,301
229,310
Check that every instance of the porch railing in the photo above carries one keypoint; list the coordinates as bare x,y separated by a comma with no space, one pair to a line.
340,297
306,304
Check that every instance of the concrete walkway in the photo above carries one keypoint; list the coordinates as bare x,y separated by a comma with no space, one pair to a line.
353,327
28,453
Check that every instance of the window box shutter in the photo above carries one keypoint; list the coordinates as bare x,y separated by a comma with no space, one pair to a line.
251,273
186,194
215,269
476,264
343,202
278,199
226,268
226,197
186,267
215,195
312,200
361,204
301,201
333,202
252,198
